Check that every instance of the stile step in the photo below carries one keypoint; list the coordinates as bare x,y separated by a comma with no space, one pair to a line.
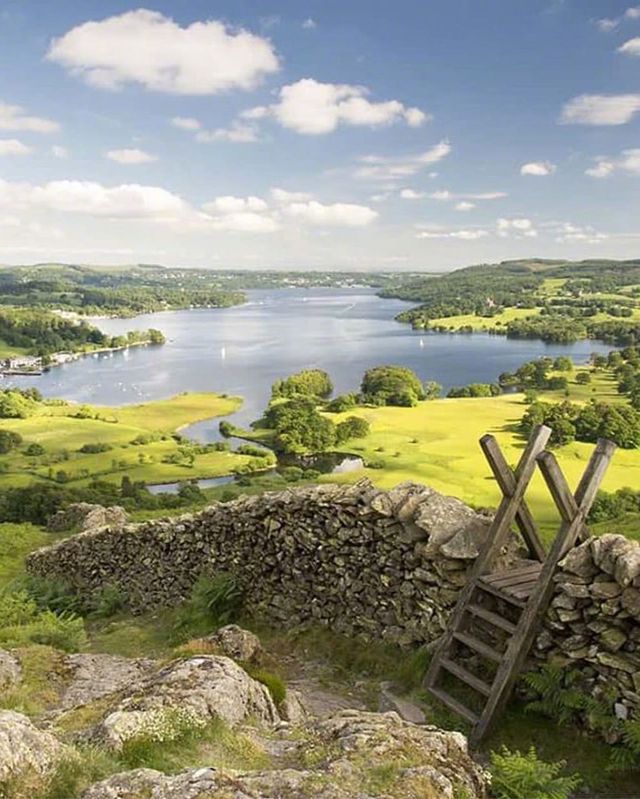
454,705
488,588
492,618
479,646
466,676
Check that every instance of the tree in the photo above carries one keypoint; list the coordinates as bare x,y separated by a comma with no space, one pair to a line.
432,390
392,385
583,378
563,364
308,383
13,405
351,427
8,441
299,427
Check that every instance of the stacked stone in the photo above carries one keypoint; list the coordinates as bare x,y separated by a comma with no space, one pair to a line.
593,623
387,564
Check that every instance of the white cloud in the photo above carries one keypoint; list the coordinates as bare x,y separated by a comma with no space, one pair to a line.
130,156
628,161
600,109
538,168
282,196
567,233
238,133
466,234
149,49
609,24
13,147
519,225
186,123
59,152
391,168
465,206
245,222
411,194
444,195
313,108
13,117
337,214
229,204
309,24
632,47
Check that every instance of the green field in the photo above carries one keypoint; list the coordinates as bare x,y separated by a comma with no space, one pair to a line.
483,323
57,427
436,443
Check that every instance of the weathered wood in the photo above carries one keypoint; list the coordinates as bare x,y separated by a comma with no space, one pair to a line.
496,538
506,481
528,588
520,642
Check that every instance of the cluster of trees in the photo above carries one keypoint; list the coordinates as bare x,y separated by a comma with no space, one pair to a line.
37,502
475,390
570,422
42,333
612,505
16,403
535,374
308,383
392,385
299,427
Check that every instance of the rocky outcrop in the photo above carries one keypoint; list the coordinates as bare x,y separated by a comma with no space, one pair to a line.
188,693
10,669
24,749
350,748
593,623
83,516
386,564
236,643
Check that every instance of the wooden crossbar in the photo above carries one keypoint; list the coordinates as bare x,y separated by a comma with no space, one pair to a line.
526,590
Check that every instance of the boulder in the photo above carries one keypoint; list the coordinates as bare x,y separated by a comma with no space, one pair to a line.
83,516
25,749
188,693
10,670
236,643
92,677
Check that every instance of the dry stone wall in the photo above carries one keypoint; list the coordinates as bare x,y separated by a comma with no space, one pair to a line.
387,564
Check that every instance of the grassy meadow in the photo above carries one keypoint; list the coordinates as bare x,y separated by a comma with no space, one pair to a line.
62,428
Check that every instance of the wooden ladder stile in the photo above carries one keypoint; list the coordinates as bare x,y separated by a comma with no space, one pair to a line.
527,590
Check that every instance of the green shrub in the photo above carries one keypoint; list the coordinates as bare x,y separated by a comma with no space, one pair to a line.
61,631
110,600
214,601
90,449
275,684
55,595
34,450
524,776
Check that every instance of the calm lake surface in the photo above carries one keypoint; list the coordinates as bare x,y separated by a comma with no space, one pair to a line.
242,350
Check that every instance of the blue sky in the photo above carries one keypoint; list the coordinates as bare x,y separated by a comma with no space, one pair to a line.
355,135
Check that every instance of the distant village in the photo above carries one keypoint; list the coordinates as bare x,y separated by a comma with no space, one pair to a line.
34,364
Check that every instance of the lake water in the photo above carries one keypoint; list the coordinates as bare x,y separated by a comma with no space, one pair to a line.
242,350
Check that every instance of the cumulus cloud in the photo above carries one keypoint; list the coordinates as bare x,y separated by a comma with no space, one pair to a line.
465,206
518,225
309,24
632,47
567,233
538,168
58,151
13,117
386,168
186,123
628,161
600,109
411,194
283,196
228,204
608,24
13,147
130,156
335,215
313,108
149,49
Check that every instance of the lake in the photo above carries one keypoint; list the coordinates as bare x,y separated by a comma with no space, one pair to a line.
242,350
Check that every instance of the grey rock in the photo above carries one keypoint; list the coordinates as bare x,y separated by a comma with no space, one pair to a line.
24,748
403,707
10,669
236,643
95,676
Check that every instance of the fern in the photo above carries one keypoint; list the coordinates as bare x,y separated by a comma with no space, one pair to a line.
524,776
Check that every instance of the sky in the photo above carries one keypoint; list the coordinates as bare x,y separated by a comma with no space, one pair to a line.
319,134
